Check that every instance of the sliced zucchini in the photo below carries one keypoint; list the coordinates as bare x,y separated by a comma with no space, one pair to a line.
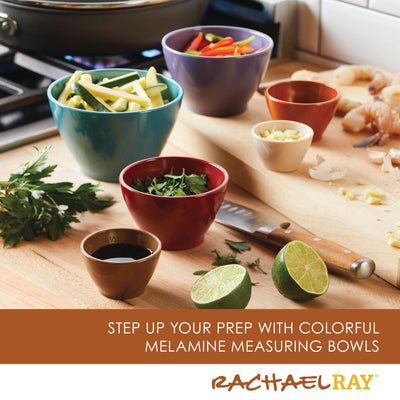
62,98
75,101
113,95
132,106
142,81
152,81
154,89
151,76
87,78
128,88
137,87
91,100
120,105
120,80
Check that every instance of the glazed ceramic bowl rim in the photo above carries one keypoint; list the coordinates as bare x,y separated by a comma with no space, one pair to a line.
169,81
315,83
227,27
307,128
173,198
113,263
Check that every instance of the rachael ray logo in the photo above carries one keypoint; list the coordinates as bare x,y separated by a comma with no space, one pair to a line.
276,383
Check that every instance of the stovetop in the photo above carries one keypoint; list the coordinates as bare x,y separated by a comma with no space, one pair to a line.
24,111
25,114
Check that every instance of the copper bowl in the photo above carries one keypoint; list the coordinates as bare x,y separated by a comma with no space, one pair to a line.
121,280
312,103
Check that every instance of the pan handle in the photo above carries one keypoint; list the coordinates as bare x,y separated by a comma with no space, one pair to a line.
8,25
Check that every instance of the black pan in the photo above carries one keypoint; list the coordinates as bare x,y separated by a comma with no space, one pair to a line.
93,27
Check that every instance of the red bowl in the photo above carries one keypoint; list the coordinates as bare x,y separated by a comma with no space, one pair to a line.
312,103
179,222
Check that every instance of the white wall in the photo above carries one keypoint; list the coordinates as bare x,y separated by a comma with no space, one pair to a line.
350,31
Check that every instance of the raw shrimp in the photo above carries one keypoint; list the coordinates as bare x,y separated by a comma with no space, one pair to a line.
345,105
378,114
391,96
306,75
348,74
396,123
396,79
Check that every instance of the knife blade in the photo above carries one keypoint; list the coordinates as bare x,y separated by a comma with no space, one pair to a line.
336,257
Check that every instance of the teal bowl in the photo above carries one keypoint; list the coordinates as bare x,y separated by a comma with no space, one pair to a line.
104,143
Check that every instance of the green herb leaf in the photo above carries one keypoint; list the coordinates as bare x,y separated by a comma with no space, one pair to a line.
238,246
256,264
29,206
201,272
172,185
225,259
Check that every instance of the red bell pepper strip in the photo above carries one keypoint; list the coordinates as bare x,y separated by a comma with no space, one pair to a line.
203,44
226,41
194,44
220,51
245,49
260,49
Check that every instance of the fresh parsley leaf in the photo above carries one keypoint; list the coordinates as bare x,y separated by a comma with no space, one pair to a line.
201,272
196,183
34,170
256,264
238,246
29,206
225,259
172,185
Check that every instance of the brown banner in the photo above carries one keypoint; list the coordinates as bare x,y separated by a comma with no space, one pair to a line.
199,336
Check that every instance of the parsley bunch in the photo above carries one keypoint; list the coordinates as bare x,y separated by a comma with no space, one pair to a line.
231,258
172,185
29,206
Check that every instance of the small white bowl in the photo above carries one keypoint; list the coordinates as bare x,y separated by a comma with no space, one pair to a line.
282,156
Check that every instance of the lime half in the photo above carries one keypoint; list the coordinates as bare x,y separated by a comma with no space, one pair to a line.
299,272
224,287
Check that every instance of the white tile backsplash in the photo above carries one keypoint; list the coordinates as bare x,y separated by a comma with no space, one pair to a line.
353,34
387,6
308,13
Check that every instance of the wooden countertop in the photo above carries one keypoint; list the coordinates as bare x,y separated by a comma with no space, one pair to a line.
45,274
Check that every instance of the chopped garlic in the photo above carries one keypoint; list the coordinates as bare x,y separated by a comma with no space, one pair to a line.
373,197
288,135
395,156
360,182
387,166
394,238
324,171
374,193
349,194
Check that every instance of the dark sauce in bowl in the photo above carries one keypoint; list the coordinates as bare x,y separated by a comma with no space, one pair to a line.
121,252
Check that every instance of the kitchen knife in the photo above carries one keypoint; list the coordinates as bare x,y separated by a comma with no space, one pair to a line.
336,257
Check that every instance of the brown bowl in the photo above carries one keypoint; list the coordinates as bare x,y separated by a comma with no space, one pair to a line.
121,279
312,103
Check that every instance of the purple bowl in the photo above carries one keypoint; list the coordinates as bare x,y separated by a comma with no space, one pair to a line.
217,86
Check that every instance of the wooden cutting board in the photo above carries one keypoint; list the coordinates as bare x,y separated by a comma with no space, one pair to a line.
317,206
